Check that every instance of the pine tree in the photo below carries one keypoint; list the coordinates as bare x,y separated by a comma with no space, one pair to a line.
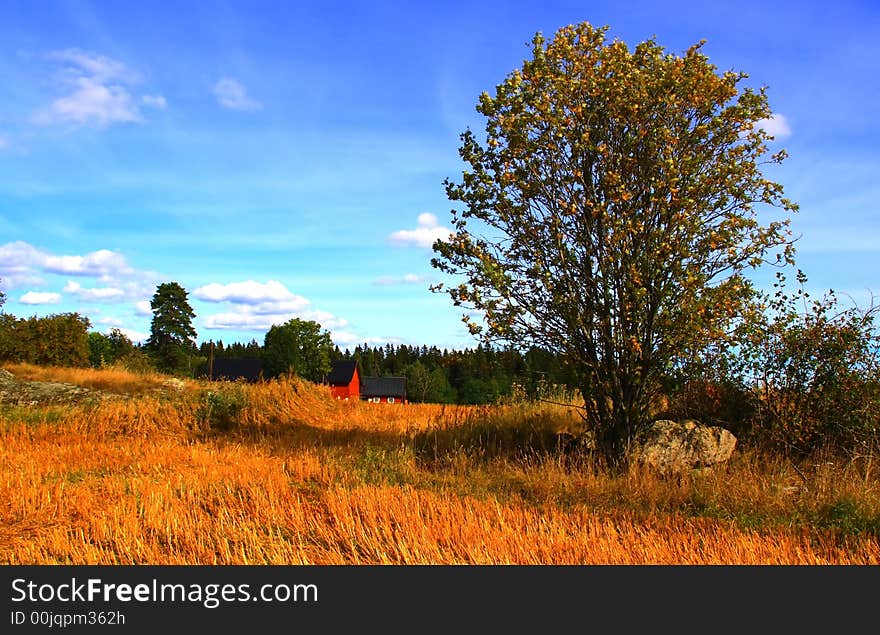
172,336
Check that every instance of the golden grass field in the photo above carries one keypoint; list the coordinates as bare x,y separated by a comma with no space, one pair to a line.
154,476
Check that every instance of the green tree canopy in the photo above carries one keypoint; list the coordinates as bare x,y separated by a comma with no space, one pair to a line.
612,213
297,346
107,349
172,336
55,340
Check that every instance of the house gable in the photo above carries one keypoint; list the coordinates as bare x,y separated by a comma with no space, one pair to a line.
344,380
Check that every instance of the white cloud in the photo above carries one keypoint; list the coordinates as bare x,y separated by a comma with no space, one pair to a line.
110,321
142,307
19,262
102,293
345,338
252,293
324,318
94,103
409,278
775,125
242,321
154,101
38,297
20,256
16,272
21,265
23,257
426,233
99,67
135,336
242,318
273,308
97,263
258,306
96,91
232,94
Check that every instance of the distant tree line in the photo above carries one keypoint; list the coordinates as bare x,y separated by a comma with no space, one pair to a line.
471,376
64,339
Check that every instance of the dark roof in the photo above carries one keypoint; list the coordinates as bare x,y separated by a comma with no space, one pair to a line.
341,373
248,368
384,387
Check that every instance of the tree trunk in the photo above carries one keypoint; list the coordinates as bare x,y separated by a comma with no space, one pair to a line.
615,427
613,442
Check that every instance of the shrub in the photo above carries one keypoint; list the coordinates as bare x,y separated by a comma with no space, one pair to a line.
136,361
716,401
813,374
221,409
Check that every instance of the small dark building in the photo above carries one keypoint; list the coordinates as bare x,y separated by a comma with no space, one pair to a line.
345,380
248,369
384,389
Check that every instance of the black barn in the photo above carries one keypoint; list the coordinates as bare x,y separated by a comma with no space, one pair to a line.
247,368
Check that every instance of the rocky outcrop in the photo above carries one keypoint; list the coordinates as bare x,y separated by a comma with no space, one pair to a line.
674,447
30,393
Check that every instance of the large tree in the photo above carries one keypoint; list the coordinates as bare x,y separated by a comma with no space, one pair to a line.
611,214
299,347
172,336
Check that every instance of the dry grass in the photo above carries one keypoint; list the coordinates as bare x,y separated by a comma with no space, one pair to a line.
113,380
299,478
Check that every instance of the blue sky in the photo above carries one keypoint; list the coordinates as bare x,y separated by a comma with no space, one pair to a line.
283,159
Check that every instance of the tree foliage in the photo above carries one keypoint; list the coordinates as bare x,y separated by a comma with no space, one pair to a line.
612,213
107,349
172,336
297,346
55,340
812,370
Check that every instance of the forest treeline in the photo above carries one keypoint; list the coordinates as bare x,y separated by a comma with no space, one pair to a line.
478,375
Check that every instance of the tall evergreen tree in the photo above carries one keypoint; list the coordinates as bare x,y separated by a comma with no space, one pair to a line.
172,336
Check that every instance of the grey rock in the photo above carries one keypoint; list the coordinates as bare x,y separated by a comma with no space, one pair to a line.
674,447
31,393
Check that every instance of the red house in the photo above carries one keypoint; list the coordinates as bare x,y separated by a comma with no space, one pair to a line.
347,383
345,380
384,389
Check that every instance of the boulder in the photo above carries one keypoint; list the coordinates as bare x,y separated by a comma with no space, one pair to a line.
674,447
